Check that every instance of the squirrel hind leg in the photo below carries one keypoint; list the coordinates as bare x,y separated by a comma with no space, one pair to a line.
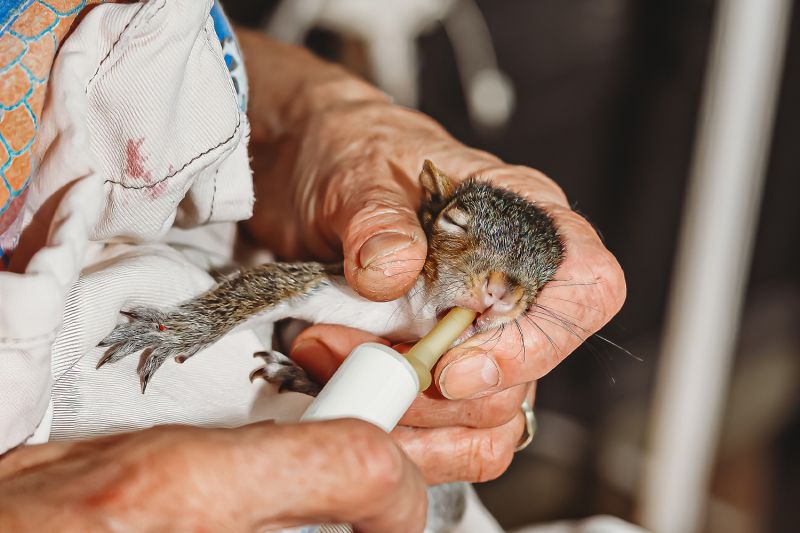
282,371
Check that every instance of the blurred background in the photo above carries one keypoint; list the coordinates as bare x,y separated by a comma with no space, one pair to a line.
604,96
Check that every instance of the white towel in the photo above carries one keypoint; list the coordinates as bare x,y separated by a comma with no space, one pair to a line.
142,130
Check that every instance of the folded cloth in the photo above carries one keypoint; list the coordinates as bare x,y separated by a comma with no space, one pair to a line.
142,129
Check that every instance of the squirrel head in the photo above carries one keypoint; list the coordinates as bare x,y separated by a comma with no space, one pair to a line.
489,249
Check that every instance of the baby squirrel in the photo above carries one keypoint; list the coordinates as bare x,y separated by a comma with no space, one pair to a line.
489,250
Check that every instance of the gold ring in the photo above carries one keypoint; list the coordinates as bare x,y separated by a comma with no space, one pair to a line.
530,427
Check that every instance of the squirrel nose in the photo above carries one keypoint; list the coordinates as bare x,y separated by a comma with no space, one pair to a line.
499,293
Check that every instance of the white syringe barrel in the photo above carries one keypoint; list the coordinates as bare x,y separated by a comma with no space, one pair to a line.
375,383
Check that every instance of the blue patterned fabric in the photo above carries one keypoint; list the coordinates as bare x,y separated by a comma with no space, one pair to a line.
9,9
231,52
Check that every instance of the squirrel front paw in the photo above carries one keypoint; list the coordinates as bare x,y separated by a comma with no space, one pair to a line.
164,334
282,371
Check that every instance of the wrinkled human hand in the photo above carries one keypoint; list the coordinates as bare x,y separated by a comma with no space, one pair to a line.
178,478
336,172
354,191
450,440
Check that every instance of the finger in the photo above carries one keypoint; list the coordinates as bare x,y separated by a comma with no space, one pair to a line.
461,454
432,410
525,181
321,349
588,289
29,456
337,471
383,242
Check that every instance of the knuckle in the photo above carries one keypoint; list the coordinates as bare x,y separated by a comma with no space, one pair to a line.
530,183
612,278
371,455
495,410
618,284
329,121
605,268
556,193
490,457
378,207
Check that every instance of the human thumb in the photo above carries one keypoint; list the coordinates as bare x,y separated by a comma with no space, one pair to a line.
384,245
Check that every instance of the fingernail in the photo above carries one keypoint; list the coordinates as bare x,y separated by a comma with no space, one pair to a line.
381,245
467,377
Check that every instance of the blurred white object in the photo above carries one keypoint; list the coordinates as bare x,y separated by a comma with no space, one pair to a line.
390,29
595,524
713,260
477,519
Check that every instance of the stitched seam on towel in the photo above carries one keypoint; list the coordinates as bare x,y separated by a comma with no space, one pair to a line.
213,196
119,38
192,160
232,94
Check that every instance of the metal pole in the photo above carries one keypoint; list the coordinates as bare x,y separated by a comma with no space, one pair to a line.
713,260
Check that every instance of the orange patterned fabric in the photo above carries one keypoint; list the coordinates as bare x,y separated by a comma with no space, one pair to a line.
30,34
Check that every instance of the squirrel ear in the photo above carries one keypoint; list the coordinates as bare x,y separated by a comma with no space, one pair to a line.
436,186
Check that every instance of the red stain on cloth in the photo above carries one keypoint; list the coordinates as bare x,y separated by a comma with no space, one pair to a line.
135,167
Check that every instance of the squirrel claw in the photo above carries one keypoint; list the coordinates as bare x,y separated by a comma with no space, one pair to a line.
260,372
153,330
152,361
108,355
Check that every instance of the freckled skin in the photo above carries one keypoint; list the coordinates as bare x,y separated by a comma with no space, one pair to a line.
475,231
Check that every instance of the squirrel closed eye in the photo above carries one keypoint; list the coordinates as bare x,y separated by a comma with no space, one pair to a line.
489,250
